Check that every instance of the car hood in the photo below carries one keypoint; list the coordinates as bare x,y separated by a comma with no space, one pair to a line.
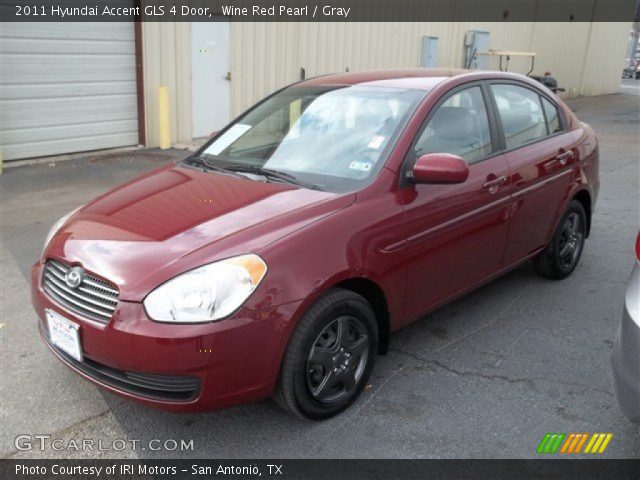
176,218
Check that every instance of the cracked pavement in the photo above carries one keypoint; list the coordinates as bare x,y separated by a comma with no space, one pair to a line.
484,377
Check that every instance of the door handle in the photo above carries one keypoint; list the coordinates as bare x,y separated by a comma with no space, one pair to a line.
494,184
227,77
564,157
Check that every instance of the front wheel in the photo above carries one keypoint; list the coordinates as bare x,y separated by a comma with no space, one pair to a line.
562,255
330,356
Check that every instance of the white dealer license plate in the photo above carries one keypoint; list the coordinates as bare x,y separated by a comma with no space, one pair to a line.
64,334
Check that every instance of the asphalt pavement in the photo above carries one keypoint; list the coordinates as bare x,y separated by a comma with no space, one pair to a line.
630,85
483,377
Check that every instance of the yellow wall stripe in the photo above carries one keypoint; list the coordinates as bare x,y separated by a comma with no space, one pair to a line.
164,116
295,108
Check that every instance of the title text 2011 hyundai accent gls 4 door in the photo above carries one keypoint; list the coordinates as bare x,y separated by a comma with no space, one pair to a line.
278,258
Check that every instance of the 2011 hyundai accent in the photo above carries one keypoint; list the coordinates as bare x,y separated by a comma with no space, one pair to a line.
277,259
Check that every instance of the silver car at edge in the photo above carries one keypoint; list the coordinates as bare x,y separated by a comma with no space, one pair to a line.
626,349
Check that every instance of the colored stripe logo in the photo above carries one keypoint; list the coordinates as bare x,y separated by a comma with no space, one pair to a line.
550,442
574,443
598,443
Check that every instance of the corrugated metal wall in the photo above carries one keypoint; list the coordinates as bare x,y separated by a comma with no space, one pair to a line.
586,58
66,87
166,58
602,65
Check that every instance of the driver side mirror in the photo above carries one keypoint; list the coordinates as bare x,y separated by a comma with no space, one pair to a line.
439,168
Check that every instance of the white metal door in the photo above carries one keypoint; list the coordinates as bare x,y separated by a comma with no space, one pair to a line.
429,55
66,87
209,77
477,41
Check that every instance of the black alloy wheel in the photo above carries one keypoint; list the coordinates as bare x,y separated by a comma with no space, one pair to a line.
337,359
560,258
330,356
570,241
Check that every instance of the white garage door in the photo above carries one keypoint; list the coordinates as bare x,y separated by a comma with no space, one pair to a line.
66,87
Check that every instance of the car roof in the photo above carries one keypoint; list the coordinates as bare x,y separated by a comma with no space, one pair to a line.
415,78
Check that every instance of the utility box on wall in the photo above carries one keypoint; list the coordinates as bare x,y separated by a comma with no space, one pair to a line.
429,53
476,41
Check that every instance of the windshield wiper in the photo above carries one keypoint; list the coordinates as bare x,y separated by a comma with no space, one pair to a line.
202,162
269,173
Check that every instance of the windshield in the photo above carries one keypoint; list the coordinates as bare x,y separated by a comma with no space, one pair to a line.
334,138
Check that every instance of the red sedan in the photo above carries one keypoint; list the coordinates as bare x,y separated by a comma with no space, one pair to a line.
278,258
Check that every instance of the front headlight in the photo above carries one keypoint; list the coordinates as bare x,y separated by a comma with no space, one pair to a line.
210,292
56,226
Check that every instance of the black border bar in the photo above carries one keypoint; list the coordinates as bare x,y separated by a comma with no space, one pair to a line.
322,469
321,10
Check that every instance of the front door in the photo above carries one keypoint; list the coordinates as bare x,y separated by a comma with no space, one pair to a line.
210,77
456,234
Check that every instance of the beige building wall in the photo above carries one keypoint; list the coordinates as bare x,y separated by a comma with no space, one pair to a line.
166,61
586,58
603,60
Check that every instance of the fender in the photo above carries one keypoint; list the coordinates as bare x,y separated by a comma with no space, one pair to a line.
304,305
576,187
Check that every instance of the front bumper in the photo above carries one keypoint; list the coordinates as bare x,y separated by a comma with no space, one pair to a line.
626,351
215,365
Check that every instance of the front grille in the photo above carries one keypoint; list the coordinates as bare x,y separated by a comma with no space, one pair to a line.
174,388
93,298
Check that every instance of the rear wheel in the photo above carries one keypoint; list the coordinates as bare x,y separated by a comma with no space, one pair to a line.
562,255
330,356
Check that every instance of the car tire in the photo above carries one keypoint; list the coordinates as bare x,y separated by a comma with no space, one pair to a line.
560,258
330,356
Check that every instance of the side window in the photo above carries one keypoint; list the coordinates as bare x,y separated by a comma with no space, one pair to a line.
460,126
521,114
551,112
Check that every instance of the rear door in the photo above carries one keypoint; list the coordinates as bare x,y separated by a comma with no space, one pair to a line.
456,234
541,154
